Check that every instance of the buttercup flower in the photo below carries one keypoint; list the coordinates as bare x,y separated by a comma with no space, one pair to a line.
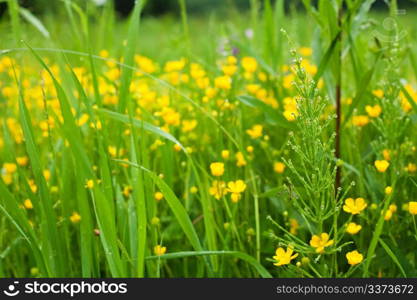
236,188
249,64
240,159
411,168
218,189
412,207
255,132
373,111
225,154
89,184
378,93
381,165
293,226
305,51
159,250
354,206
28,204
279,167
353,228
283,257
75,217
217,168
223,82
388,215
158,196
360,121
354,257
393,208
387,154
320,242
9,168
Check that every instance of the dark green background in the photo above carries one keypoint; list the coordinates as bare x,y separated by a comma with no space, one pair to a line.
158,7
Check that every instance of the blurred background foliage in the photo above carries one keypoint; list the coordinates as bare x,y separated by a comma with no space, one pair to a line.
161,7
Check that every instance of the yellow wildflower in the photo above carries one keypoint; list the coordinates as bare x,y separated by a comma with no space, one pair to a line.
127,190
378,93
174,66
46,174
249,64
236,188
255,132
320,242
218,189
89,184
229,70
112,151
279,167
223,82
411,168
354,257
381,165
9,168
159,250
305,51
373,111
291,115
412,207
387,154
22,161
388,215
293,226
28,204
188,125
360,121
217,168
7,178
33,186
353,228
75,217
354,206
240,159
225,154
158,196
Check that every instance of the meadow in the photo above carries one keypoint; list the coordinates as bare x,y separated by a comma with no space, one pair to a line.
273,142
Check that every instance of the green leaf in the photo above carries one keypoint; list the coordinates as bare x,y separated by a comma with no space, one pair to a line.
409,98
393,257
362,91
26,14
271,114
140,124
178,210
128,56
236,254
102,207
10,208
176,206
327,57
141,214
53,247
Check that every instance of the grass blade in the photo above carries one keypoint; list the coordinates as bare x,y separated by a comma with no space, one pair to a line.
393,257
236,254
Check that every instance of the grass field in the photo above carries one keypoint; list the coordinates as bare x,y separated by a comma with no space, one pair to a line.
264,143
